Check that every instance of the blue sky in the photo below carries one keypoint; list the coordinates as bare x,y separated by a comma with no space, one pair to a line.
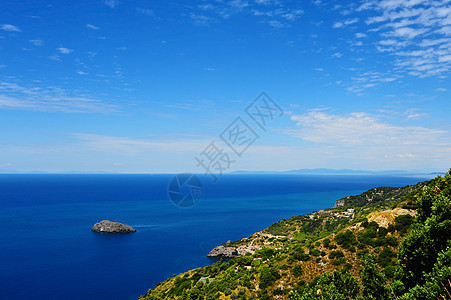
146,86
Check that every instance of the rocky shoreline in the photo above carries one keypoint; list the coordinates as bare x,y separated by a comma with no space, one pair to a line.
231,251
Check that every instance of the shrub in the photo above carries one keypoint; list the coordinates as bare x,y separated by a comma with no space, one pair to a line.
315,252
391,228
382,232
346,239
339,261
297,270
268,276
336,254
403,222
301,256
385,257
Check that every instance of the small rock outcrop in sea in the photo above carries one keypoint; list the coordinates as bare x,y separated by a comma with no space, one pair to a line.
112,227
223,251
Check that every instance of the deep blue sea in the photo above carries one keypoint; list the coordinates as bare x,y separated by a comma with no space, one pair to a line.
47,250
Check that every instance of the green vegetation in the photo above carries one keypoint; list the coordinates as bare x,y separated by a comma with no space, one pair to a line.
333,255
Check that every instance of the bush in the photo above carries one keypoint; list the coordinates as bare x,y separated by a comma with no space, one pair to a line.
297,271
336,254
268,276
301,256
391,228
385,257
403,222
346,239
382,232
339,261
315,252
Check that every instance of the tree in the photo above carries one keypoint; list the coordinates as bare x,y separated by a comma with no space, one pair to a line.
419,251
268,276
374,281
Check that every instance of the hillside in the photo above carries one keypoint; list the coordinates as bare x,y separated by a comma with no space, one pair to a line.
386,243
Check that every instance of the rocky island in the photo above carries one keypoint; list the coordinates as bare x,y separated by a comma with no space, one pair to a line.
112,227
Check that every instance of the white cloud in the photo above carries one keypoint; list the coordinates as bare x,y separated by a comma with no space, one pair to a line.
18,97
363,136
111,3
133,146
5,165
345,23
145,11
418,27
90,26
367,80
10,28
440,90
64,50
202,20
55,57
350,21
276,24
37,42
81,73
273,12
360,35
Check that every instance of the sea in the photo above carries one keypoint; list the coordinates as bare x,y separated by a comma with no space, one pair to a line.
48,251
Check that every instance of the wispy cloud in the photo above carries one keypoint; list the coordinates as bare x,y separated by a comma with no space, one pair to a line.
145,11
64,50
345,23
111,3
37,42
369,136
55,57
273,13
10,28
365,80
18,97
128,145
417,33
202,20
90,26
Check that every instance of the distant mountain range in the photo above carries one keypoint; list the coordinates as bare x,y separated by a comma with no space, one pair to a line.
324,171
318,171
